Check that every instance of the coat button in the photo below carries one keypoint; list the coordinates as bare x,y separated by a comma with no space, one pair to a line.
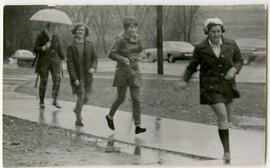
222,74
221,55
220,65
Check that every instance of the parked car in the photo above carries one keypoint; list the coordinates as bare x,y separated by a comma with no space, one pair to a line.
252,49
24,57
172,51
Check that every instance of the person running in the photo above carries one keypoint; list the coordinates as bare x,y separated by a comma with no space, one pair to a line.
220,61
125,51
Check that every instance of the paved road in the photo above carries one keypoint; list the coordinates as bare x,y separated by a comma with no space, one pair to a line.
254,73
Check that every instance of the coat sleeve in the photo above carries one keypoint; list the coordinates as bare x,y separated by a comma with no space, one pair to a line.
237,58
192,66
94,59
59,51
70,65
38,45
114,52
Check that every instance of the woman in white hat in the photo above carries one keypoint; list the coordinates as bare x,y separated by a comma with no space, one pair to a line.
220,61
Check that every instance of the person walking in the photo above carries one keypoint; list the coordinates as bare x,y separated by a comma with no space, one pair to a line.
49,55
220,61
81,64
125,51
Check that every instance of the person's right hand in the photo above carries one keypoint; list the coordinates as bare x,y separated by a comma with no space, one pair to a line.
126,61
47,45
77,82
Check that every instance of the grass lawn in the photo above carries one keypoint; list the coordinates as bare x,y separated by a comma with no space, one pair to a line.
164,99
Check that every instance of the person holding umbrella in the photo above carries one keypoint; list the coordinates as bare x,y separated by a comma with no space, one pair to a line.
81,64
49,55
48,52
220,61
125,51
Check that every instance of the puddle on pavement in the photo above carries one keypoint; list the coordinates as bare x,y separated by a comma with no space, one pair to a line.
144,155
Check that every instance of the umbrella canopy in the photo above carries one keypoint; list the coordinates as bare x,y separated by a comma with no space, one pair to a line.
51,15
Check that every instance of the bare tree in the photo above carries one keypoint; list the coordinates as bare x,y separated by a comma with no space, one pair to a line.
179,21
101,22
19,32
98,17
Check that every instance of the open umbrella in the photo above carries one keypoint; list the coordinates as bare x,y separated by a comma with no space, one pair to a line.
52,16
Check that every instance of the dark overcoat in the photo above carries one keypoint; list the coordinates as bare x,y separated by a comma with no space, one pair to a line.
45,58
128,47
76,70
213,69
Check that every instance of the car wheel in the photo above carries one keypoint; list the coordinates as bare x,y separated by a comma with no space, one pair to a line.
245,60
171,58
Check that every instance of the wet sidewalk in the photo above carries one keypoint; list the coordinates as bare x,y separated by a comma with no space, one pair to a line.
166,141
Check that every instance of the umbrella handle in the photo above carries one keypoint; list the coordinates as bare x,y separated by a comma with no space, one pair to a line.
50,31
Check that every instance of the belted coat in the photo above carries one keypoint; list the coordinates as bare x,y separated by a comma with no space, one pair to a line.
78,71
45,58
127,47
213,69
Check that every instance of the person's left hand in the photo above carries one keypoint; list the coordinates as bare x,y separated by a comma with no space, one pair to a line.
91,70
231,73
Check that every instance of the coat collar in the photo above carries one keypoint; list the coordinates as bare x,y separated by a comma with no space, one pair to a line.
129,38
205,46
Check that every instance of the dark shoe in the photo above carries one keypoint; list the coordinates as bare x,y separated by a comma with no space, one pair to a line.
56,104
79,123
227,158
42,105
139,130
110,123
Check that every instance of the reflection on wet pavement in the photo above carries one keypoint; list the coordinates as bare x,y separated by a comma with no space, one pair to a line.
110,145
54,117
41,118
137,149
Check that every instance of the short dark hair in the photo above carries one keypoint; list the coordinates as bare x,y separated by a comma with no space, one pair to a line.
206,31
130,20
79,24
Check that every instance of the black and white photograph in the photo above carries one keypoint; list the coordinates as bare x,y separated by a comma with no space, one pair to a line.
134,84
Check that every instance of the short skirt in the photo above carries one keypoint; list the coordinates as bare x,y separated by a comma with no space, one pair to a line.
214,98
